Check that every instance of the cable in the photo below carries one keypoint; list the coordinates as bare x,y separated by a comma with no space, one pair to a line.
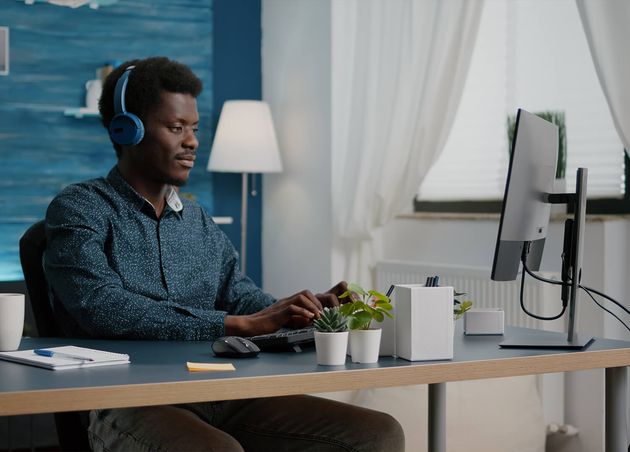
540,278
588,289
608,311
538,317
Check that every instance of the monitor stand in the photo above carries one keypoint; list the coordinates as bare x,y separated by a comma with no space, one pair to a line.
571,275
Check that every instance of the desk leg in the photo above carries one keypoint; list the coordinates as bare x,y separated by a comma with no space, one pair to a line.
437,417
616,393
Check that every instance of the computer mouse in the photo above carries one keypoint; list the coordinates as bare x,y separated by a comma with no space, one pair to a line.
234,347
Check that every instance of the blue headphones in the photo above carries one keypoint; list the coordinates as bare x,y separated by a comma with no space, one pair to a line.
125,128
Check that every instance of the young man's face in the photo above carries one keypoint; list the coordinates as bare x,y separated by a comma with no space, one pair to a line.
166,154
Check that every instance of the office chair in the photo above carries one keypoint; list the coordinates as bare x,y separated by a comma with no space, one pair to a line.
71,426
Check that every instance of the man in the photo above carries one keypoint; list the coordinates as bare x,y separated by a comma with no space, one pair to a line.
127,258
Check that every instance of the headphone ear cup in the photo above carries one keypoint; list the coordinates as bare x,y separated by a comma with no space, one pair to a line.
126,129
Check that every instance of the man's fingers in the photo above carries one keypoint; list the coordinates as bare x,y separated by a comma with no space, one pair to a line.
297,321
328,299
339,288
295,309
311,301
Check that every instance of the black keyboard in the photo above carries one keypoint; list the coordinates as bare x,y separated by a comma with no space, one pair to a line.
285,339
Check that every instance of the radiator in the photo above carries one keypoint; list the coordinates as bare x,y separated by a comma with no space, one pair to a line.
540,298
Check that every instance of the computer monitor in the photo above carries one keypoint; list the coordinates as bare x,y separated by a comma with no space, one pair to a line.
525,217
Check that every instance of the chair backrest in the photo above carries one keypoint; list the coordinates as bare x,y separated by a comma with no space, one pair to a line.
71,426
32,246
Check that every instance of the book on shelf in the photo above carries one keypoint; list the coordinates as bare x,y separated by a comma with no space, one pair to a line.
66,357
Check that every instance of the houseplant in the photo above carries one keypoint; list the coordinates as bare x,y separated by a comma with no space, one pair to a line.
331,337
362,308
460,306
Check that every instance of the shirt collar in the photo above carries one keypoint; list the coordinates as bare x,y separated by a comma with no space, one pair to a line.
114,177
173,201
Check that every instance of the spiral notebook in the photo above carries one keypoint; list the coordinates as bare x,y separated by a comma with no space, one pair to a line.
72,359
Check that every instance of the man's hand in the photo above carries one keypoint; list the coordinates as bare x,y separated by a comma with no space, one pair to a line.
296,311
330,298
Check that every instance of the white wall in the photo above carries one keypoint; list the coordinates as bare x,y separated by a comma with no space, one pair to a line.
297,228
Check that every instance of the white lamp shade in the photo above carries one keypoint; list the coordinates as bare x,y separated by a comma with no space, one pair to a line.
245,140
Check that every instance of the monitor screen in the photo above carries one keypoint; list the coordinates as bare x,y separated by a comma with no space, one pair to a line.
525,212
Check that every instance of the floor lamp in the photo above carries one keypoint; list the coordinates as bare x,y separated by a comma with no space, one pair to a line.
245,142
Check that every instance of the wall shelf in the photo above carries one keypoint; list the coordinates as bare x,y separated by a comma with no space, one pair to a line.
223,220
82,112
94,4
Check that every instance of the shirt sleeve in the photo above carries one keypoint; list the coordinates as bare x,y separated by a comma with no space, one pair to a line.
238,294
93,294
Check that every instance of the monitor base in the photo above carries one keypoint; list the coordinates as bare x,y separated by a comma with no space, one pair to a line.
560,343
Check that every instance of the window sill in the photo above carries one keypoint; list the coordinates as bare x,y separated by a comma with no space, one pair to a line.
456,216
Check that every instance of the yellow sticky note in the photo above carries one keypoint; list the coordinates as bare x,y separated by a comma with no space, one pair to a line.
210,367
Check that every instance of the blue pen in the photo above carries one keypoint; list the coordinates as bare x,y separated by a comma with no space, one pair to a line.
52,354
436,281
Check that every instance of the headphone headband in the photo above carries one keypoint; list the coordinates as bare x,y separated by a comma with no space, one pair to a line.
121,89
125,128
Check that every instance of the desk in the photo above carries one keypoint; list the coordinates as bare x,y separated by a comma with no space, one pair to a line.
158,376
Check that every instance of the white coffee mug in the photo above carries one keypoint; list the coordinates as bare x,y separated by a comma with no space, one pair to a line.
11,320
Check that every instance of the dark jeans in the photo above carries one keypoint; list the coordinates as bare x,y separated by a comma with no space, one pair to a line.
291,423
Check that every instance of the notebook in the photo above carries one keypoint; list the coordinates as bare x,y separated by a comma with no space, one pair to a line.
60,362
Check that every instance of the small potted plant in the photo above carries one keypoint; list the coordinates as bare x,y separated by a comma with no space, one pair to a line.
363,308
331,337
460,306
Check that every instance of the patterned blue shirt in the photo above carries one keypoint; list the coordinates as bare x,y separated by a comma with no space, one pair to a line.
115,270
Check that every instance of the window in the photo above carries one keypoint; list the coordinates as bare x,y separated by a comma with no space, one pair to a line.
532,55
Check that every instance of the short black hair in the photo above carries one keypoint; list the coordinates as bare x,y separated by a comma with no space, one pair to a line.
147,80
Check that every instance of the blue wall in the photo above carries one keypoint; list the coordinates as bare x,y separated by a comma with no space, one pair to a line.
55,50
237,75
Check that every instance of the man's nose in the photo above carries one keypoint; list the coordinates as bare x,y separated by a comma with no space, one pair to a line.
190,140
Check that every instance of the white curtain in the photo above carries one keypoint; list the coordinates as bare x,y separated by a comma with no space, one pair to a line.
607,28
398,71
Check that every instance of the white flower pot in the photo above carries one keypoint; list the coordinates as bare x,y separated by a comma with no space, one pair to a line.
331,348
365,345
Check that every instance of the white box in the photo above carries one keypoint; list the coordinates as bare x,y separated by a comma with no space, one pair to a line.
481,321
424,322
388,334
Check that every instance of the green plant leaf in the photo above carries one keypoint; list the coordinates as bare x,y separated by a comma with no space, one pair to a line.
460,310
384,305
388,314
352,287
349,308
378,295
346,294
359,321
370,310
378,316
331,320
371,305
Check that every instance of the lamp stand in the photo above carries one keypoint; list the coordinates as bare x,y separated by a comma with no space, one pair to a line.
244,223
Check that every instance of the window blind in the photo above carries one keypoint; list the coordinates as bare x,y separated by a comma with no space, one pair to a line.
530,55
